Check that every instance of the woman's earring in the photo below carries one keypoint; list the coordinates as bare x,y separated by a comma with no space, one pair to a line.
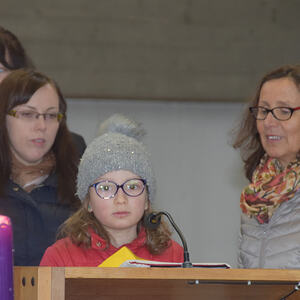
90,208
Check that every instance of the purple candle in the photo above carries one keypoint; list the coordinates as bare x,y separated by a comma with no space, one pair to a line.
6,260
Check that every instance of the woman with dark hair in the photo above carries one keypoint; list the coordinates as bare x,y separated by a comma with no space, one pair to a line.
38,162
12,57
12,54
269,140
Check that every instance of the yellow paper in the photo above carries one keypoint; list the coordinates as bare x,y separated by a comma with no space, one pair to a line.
119,257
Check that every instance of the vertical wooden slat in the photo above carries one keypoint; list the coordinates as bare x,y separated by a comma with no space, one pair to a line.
58,284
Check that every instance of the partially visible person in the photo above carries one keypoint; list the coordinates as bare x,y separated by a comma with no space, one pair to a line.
269,140
12,57
116,186
12,54
38,162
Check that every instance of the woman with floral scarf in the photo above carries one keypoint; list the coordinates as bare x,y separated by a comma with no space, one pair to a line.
269,140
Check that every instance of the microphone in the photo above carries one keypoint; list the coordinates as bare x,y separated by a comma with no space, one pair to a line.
153,220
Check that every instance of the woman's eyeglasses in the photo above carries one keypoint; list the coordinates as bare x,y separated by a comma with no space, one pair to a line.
28,115
279,113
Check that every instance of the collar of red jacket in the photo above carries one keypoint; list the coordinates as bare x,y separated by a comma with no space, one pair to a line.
98,242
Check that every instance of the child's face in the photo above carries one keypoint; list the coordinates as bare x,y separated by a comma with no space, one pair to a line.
120,213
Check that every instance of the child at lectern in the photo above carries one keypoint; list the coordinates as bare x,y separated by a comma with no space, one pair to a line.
116,186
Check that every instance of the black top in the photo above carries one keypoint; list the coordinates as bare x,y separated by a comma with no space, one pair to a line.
35,218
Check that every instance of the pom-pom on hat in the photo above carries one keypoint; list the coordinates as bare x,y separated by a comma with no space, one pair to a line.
118,147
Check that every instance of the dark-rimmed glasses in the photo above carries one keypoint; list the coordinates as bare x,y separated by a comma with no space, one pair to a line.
107,189
29,115
280,113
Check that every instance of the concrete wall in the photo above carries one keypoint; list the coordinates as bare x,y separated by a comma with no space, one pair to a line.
154,49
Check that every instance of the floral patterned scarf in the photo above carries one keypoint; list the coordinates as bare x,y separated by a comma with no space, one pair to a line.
271,185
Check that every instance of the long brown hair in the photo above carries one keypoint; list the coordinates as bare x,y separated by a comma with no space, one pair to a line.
78,226
247,137
17,88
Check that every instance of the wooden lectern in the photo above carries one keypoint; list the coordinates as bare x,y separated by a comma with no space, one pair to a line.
73,283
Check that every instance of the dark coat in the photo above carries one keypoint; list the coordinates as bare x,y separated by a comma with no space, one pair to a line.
35,218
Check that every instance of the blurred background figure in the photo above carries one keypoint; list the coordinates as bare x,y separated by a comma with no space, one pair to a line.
38,162
12,57
269,140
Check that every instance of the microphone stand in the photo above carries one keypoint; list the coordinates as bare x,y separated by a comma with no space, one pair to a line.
154,219
296,288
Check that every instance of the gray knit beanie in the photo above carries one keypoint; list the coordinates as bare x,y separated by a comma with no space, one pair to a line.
118,147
